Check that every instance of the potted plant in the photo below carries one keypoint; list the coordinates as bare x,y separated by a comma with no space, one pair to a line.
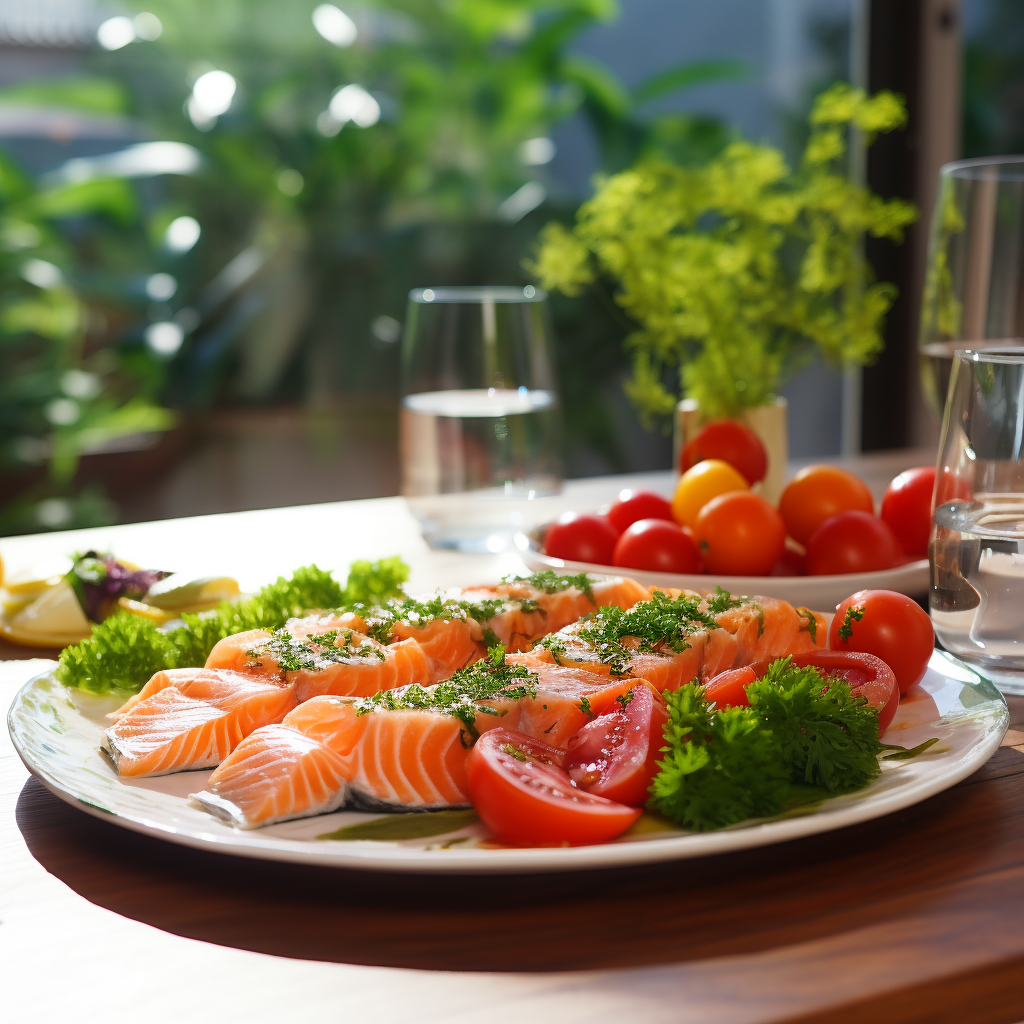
737,271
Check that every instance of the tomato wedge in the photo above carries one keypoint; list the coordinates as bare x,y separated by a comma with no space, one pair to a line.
867,675
616,755
729,689
525,797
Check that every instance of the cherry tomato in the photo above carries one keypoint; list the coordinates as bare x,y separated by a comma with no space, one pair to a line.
817,493
657,546
739,534
907,509
792,562
581,537
699,484
732,442
616,755
891,627
729,688
525,797
852,542
632,506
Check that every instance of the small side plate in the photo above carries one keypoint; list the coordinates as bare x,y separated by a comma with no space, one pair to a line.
821,593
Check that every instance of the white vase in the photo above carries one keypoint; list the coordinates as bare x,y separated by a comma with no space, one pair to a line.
770,424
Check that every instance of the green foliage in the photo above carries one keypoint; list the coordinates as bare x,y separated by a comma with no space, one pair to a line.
125,650
56,403
828,737
801,730
736,271
721,767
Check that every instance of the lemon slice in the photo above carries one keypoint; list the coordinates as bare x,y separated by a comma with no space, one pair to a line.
56,612
180,593
33,580
145,611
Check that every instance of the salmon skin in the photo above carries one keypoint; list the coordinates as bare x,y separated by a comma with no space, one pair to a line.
191,718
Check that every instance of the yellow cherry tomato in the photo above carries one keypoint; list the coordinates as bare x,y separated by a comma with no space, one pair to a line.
700,483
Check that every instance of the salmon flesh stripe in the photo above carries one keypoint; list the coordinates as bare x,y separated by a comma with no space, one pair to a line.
387,759
192,718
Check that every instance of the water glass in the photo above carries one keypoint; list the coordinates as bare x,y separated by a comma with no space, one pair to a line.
480,428
977,541
974,281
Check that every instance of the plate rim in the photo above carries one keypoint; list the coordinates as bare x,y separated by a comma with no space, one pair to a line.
370,855
694,581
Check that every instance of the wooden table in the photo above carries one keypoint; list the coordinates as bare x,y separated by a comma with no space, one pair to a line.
916,917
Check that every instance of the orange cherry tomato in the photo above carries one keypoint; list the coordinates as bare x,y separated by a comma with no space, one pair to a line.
699,484
739,534
817,493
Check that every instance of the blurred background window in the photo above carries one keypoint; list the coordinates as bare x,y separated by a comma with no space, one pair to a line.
211,214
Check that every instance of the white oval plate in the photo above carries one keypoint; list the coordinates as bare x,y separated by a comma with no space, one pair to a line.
821,593
56,731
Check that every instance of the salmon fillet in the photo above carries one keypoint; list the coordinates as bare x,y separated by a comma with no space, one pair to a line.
275,774
194,720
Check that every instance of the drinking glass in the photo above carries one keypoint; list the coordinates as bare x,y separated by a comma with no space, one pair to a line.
977,540
974,281
480,429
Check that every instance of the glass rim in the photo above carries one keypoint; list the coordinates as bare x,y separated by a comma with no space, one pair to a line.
986,168
1008,354
477,294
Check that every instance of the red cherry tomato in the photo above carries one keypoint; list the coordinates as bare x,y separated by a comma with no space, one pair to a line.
907,509
616,755
852,542
729,689
581,537
791,563
732,442
657,546
739,534
632,506
888,625
525,797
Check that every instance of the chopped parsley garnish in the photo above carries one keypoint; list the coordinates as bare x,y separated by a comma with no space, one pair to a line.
812,623
514,752
551,583
801,730
381,621
854,614
125,650
625,699
491,678
585,707
661,623
317,652
722,601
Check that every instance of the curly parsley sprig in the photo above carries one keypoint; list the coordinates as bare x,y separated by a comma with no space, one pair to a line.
801,729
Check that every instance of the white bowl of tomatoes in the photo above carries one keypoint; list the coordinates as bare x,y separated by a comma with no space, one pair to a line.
821,542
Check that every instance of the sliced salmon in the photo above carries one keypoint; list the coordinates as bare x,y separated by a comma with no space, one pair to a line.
333,659
767,628
563,604
275,774
193,720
